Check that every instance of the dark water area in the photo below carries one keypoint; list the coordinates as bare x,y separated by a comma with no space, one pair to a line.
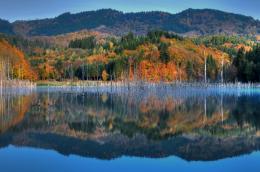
165,129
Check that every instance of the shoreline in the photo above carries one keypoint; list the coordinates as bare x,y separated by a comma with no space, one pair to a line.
120,84
136,88
139,83
17,84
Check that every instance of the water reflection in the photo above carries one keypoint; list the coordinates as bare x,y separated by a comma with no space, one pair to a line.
191,124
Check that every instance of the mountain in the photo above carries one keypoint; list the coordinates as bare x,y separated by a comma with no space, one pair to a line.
6,27
216,22
191,21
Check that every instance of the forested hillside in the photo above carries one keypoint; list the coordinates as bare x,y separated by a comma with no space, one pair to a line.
188,22
6,27
157,56
225,43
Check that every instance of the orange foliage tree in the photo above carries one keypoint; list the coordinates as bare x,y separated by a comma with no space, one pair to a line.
20,68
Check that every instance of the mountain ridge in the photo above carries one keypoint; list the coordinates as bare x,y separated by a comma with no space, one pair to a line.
190,21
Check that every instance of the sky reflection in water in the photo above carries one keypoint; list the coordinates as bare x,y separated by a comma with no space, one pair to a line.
163,130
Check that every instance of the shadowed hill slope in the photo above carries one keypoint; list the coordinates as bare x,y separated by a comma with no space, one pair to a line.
191,21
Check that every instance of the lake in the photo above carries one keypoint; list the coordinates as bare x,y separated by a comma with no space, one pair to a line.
155,129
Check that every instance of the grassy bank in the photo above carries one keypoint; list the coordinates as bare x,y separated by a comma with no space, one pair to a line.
16,83
139,83
75,83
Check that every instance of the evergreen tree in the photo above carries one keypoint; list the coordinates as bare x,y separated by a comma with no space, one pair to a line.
164,54
190,70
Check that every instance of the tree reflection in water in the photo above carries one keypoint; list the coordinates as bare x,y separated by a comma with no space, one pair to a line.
107,125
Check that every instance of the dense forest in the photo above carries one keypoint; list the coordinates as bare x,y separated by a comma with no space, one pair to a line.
158,56
248,65
155,57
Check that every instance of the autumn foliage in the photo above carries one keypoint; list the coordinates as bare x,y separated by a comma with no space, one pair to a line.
15,59
159,56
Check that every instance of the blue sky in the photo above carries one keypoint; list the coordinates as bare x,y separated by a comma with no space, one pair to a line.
34,9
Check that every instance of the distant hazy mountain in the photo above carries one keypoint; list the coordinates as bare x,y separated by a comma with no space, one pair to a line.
191,21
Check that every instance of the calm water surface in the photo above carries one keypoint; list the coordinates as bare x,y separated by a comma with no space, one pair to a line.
163,129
